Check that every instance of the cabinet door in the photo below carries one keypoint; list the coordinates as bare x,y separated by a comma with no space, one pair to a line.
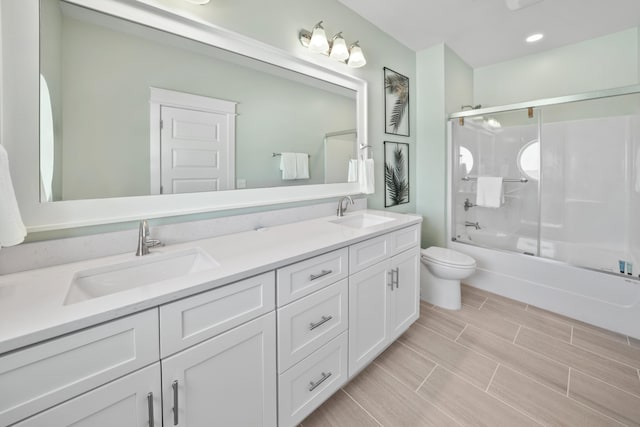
404,304
228,380
368,311
131,401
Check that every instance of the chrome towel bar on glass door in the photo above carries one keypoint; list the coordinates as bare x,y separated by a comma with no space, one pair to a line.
475,178
280,154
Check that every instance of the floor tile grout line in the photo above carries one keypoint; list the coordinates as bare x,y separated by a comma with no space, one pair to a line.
426,378
637,396
517,333
391,374
482,305
463,329
362,407
486,390
571,337
569,381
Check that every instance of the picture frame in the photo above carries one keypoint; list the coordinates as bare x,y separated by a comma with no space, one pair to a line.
396,103
396,173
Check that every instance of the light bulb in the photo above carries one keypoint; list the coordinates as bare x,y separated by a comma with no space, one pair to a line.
339,49
356,57
318,42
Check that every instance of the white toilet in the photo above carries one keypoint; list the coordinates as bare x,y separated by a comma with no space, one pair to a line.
440,275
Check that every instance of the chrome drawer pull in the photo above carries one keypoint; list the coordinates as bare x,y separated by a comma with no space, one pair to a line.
323,320
321,274
313,386
397,270
150,406
174,386
392,282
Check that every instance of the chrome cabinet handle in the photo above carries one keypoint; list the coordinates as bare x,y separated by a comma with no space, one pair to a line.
150,407
313,386
323,320
397,269
174,386
321,274
392,282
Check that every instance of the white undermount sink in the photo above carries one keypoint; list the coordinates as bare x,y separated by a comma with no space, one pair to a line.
361,220
146,270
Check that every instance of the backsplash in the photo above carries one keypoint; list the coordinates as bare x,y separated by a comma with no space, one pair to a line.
47,253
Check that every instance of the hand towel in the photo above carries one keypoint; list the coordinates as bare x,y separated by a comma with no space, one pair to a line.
366,172
12,230
489,192
302,166
288,165
352,174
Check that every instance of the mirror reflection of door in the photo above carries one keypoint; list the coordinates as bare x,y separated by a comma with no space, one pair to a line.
194,149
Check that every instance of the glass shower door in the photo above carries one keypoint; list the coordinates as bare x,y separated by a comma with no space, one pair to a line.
485,148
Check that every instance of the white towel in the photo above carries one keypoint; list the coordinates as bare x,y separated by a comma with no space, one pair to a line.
12,230
288,165
352,174
366,173
489,192
302,166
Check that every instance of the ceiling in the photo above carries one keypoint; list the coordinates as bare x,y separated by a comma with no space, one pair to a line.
485,32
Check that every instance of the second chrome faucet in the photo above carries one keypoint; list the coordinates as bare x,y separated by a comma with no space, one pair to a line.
144,242
343,208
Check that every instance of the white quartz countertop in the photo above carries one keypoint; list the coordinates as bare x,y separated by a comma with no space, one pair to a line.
32,305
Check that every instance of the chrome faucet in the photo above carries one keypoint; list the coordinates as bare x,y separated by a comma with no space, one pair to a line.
144,242
342,209
472,224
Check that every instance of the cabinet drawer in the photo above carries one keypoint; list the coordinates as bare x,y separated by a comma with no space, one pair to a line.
46,374
405,238
309,383
304,277
309,323
192,320
369,252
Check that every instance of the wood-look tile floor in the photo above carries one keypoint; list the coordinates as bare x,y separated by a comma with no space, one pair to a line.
496,362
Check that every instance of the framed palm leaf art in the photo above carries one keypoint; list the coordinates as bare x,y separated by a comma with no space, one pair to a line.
396,103
396,173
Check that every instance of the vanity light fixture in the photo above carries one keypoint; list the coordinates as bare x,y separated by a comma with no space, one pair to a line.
316,41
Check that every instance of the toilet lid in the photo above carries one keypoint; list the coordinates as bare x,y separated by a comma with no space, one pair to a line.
447,257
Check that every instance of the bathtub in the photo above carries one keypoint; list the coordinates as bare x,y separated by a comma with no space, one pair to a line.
597,295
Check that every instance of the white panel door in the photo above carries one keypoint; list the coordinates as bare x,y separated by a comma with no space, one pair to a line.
228,380
404,304
368,323
196,151
131,401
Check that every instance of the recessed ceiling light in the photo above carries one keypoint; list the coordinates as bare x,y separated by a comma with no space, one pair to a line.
534,38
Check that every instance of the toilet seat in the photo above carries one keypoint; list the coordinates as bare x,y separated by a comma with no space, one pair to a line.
447,257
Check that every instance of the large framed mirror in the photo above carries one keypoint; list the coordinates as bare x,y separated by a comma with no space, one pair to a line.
119,110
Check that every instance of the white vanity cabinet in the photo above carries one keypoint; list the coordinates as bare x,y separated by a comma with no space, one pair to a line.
383,293
219,365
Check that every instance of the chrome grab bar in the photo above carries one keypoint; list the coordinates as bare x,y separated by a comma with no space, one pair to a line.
475,178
